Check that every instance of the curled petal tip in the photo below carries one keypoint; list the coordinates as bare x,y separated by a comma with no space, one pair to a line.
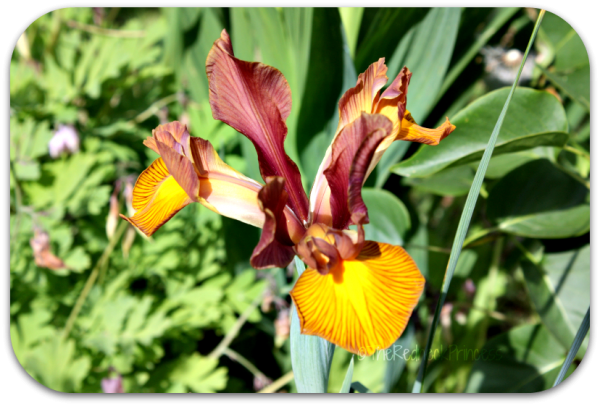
410,131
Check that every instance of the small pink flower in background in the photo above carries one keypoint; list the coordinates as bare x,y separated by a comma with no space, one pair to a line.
261,381
469,288
65,139
282,327
114,384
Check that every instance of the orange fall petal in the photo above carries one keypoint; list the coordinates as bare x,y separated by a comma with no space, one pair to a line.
364,304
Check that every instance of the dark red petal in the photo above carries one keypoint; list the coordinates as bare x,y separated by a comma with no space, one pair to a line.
351,151
275,248
255,99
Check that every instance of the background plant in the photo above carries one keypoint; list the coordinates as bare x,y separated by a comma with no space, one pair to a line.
184,311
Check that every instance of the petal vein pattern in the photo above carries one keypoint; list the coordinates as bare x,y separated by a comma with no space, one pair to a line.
157,197
364,304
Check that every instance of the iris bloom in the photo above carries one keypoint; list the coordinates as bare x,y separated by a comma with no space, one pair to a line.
357,294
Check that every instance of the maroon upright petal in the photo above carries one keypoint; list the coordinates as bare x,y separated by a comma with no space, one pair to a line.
275,248
255,99
351,150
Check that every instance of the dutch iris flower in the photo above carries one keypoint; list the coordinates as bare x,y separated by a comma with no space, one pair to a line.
354,293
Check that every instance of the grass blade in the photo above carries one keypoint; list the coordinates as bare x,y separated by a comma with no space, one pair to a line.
503,16
581,333
348,379
467,213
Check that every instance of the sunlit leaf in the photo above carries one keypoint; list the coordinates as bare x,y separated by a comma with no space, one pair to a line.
448,182
473,123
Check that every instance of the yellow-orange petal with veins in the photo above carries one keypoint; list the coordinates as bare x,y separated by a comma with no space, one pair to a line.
156,198
364,304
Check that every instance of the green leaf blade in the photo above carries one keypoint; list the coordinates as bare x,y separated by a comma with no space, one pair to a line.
468,142
539,200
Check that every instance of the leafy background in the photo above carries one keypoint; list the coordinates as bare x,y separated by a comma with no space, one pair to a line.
183,311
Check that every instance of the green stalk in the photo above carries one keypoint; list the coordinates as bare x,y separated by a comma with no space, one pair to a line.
234,331
581,333
467,213
92,278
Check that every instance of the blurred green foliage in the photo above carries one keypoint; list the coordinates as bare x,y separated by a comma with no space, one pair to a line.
160,306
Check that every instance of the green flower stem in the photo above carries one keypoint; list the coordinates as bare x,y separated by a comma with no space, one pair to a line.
279,383
233,332
467,213
243,361
154,108
92,278
429,248
577,151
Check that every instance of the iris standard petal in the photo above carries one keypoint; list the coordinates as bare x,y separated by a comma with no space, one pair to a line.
353,150
359,99
255,99
365,97
156,198
364,304
362,97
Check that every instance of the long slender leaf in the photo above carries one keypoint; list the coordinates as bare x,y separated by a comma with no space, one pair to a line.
348,379
467,213
427,56
351,17
311,355
395,365
492,28
380,31
581,333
